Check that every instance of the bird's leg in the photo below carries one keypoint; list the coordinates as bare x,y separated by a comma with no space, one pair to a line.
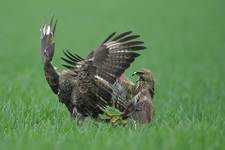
47,50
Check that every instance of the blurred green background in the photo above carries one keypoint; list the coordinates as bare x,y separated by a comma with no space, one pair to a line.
186,52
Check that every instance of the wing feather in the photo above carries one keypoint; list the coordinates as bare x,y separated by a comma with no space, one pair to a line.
71,59
109,37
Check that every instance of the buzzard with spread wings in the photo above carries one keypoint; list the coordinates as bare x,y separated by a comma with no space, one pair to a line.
86,85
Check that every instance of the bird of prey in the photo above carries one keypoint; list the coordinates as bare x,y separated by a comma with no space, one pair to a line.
86,85
135,99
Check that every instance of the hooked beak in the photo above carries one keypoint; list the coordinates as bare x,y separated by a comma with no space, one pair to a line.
137,73
134,73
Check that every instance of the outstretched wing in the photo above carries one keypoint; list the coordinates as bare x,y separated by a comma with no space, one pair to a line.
110,61
115,55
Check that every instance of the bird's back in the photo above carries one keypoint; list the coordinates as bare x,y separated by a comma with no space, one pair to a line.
84,94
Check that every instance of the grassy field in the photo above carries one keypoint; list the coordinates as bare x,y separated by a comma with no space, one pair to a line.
186,52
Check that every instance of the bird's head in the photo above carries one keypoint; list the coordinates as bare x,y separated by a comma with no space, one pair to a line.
146,80
144,75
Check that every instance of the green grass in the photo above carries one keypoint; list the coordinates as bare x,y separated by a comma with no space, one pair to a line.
186,52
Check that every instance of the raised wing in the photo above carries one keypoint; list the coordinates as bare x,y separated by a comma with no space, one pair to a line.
110,61
47,50
115,55
47,40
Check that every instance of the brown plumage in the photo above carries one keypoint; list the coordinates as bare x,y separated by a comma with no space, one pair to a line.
135,99
85,87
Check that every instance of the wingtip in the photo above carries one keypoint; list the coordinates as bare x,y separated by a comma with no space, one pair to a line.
67,66
128,32
109,37
51,20
143,47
